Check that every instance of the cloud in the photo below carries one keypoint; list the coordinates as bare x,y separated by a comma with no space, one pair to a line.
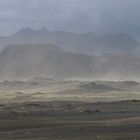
99,16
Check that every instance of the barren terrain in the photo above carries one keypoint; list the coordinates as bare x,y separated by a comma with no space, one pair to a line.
47,109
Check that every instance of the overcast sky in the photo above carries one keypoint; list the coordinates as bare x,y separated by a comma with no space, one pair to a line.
99,16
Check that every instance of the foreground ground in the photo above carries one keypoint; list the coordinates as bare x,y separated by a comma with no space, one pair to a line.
70,121
47,109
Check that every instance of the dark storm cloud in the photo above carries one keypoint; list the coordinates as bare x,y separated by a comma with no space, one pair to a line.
98,16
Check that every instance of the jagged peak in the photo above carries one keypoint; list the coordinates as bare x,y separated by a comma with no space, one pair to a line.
28,31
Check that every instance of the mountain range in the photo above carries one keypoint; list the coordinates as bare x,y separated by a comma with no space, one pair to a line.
88,43
65,55
23,61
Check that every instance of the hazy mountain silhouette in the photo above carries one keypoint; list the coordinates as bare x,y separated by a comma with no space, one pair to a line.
23,61
89,43
46,60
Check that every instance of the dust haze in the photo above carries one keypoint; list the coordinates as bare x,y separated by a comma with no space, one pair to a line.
69,70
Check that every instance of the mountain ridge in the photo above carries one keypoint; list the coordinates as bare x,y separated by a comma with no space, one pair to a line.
22,61
88,43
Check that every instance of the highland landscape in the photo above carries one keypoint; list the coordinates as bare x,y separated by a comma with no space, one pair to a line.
48,92
69,70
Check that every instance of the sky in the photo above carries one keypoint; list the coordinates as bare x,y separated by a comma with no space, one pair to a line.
98,16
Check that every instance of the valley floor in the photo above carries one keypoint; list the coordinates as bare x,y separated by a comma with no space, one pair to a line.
70,121
46,109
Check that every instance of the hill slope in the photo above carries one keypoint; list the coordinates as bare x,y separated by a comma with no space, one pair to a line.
46,60
28,60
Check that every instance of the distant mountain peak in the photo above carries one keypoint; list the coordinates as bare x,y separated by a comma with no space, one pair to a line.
30,31
25,30
43,29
